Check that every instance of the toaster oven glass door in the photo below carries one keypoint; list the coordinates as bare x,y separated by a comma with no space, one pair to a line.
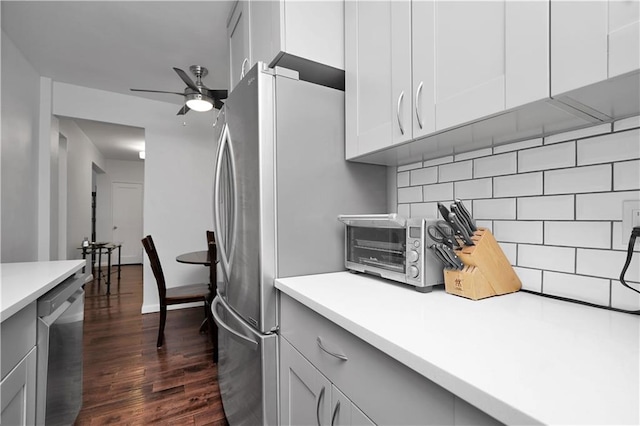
382,248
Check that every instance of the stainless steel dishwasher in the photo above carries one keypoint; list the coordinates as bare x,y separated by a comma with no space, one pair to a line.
59,376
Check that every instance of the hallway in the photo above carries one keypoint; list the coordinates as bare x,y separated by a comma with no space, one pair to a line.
127,380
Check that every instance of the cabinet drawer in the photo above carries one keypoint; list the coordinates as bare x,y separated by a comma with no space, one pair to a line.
18,334
384,389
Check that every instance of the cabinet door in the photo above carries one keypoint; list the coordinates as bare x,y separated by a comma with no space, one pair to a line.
423,67
305,394
578,44
238,32
18,393
624,37
344,412
470,61
377,74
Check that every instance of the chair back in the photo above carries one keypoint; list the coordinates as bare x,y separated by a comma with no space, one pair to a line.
211,238
213,277
150,248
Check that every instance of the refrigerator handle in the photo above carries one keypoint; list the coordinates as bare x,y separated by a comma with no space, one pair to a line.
234,194
214,311
222,146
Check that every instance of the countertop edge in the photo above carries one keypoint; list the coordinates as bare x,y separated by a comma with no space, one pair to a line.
28,298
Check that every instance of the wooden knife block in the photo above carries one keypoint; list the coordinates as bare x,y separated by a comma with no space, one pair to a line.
487,270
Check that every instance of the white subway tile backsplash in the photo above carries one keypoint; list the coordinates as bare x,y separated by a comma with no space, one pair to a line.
438,161
404,210
456,171
518,231
587,289
561,259
472,189
547,157
614,147
517,146
438,192
623,297
627,123
578,180
607,264
411,166
403,179
554,207
518,185
426,210
604,206
424,176
485,224
496,165
510,250
626,175
578,134
411,194
500,208
578,234
531,279
474,154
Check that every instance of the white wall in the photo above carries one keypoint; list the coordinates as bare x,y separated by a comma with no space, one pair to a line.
19,152
81,155
178,173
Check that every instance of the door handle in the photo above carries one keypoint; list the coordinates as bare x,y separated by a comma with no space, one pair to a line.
214,311
320,396
418,113
245,62
222,144
398,113
336,410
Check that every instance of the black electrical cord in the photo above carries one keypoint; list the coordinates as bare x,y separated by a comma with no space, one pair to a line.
632,242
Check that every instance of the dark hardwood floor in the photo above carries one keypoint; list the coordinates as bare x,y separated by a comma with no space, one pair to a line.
127,380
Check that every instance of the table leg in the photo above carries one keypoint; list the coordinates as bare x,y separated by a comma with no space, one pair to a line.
119,260
99,265
109,270
84,257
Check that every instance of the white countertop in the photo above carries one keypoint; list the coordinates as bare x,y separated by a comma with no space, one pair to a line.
519,357
22,283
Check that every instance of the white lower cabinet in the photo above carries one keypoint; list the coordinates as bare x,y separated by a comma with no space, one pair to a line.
371,387
309,398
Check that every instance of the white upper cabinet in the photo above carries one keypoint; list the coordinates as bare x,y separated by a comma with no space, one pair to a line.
260,30
239,42
592,41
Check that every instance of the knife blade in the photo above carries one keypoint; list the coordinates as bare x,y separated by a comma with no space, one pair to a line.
463,209
460,230
453,258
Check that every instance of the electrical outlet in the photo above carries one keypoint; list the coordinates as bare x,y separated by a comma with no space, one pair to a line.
630,218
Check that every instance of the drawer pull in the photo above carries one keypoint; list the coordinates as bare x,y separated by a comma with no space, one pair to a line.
320,396
335,413
339,356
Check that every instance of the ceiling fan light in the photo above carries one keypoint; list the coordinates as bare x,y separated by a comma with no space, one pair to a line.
199,102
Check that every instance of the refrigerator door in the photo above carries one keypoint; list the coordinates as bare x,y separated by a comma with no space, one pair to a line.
244,198
247,372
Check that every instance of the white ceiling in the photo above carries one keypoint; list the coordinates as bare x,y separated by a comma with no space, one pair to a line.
118,45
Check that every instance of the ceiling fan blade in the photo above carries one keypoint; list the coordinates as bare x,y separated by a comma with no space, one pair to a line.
156,91
185,109
183,75
217,94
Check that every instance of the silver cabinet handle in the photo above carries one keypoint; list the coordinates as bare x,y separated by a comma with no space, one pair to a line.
398,113
320,396
339,356
245,62
418,113
335,413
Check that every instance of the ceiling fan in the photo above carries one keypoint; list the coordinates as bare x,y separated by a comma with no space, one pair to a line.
197,96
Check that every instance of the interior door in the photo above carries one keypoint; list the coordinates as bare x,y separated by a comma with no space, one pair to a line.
127,221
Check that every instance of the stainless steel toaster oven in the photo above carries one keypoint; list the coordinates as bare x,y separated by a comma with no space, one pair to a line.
392,247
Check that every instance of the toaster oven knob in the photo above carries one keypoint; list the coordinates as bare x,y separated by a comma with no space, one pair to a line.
413,256
414,271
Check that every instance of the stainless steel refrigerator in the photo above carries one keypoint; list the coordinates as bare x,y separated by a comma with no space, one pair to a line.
280,182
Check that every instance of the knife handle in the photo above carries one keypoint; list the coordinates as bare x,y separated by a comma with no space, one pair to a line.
460,230
467,215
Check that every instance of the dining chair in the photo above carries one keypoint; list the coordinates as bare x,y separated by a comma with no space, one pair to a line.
175,295
211,237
